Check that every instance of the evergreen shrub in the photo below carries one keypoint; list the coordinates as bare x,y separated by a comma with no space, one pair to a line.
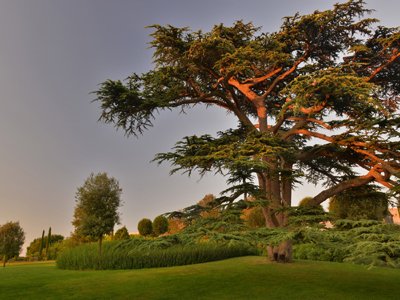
145,227
365,242
122,234
313,252
160,225
114,257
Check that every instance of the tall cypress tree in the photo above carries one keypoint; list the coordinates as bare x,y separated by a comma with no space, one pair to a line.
41,247
48,256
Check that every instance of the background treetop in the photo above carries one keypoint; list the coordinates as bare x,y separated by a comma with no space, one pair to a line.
97,202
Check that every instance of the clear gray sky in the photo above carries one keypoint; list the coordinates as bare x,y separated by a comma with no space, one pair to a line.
53,53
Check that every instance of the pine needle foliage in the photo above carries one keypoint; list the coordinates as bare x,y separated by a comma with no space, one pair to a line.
326,70
229,228
317,100
367,242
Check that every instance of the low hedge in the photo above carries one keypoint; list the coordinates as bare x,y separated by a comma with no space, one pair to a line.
113,257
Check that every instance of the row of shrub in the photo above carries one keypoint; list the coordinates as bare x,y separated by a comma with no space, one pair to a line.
114,257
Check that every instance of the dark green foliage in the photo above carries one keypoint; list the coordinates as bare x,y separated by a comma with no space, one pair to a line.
145,227
77,238
226,234
373,242
367,242
313,252
230,153
365,202
115,257
122,234
41,246
98,201
12,237
307,111
34,247
48,242
290,90
160,225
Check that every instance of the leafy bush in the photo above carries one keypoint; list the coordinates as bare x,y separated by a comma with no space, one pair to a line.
358,203
136,236
114,256
122,234
145,227
254,217
160,225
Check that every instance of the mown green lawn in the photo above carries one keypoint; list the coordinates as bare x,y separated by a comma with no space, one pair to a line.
237,278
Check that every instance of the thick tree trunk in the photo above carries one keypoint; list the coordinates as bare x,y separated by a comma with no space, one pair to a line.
285,252
5,260
279,191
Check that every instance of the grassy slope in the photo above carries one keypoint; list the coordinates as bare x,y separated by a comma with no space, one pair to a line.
236,278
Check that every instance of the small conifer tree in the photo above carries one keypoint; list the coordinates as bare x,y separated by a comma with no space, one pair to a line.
122,234
160,225
48,256
145,227
41,247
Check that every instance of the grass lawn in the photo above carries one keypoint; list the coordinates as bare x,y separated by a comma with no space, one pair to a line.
250,277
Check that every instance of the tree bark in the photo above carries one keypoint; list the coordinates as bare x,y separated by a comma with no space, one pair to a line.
279,191
285,252
5,260
359,181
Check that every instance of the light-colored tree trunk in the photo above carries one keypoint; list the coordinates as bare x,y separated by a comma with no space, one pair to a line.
4,260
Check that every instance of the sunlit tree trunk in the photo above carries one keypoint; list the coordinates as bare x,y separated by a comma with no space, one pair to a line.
4,260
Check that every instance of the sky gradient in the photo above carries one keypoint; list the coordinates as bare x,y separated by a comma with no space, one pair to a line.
53,53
